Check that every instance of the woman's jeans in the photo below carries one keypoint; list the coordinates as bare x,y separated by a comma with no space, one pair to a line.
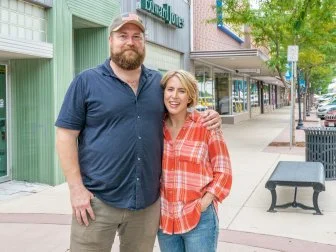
203,238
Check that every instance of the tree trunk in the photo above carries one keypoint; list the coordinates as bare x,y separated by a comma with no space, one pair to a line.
304,107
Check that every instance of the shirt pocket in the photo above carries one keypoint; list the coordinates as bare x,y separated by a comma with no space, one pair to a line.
194,152
191,164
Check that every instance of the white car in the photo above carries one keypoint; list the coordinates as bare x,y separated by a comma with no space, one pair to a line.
326,102
322,111
325,98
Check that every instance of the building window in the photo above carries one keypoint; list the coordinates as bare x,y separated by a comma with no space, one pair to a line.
266,94
239,94
223,98
23,20
254,94
206,98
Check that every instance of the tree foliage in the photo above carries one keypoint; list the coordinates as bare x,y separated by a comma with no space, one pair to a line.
275,24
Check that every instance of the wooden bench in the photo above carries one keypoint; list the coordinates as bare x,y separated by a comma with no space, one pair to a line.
297,174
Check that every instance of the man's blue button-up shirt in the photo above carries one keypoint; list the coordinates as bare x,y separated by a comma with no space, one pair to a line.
121,141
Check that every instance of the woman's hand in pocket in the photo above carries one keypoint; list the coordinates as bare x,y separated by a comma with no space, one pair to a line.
206,201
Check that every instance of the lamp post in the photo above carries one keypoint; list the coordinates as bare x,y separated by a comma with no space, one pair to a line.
300,123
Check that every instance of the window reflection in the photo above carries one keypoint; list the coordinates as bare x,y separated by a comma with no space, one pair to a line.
266,94
254,94
239,94
206,98
223,100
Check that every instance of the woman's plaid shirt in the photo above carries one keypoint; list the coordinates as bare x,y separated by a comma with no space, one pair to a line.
195,163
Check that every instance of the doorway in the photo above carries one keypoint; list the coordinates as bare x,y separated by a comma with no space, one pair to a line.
3,124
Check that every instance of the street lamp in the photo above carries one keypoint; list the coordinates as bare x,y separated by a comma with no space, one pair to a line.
300,123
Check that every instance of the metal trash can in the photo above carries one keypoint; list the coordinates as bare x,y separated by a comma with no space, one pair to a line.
321,147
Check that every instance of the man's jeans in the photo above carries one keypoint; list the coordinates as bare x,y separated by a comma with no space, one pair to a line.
203,238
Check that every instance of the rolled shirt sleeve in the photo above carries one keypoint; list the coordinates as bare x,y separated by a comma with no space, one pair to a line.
220,161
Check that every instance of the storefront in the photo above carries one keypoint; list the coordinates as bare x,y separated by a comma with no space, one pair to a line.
167,32
232,74
4,172
223,91
43,44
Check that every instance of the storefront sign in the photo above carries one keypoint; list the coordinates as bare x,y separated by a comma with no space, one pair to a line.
163,12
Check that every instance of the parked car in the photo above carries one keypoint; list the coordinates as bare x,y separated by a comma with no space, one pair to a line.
326,102
224,105
322,111
325,98
330,118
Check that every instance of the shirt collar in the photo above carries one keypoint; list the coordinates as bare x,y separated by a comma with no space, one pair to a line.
192,116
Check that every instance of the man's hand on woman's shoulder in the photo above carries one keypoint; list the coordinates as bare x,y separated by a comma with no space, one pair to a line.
211,119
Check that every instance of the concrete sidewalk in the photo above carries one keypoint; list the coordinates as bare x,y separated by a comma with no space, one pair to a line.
40,221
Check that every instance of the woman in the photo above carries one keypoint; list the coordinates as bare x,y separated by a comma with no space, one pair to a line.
196,171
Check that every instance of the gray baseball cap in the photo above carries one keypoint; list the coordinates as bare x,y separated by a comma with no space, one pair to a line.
126,18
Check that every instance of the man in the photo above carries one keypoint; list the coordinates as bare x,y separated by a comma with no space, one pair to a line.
109,140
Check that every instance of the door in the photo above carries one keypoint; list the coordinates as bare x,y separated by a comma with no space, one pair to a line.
3,124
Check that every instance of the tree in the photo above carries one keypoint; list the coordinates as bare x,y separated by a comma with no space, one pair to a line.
275,24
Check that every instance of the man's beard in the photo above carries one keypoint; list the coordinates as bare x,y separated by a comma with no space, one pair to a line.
126,62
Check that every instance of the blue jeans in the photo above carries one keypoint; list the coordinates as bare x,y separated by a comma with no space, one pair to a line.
203,238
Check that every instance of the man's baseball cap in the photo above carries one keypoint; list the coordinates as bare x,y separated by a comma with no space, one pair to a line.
126,18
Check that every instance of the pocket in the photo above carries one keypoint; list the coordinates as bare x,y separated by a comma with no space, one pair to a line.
151,217
193,151
213,209
93,200
207,220
207,209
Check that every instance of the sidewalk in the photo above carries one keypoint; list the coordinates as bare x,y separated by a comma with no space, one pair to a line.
40,221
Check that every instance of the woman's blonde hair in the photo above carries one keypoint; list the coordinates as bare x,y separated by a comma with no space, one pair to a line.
188,81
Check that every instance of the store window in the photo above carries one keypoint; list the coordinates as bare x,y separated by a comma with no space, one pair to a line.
239,94
266,91
206,98
254,94
273,96
223,98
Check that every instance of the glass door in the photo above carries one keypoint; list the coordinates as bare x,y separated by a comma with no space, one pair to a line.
3,123
223,97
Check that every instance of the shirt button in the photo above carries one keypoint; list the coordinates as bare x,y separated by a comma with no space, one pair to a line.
139,137
139,158
138,117
138,179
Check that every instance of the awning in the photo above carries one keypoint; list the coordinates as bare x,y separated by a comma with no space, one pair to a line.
250,62
24,49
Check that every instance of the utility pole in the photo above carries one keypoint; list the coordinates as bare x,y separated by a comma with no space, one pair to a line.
292,56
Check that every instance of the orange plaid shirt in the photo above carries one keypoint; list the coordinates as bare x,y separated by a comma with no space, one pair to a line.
195,163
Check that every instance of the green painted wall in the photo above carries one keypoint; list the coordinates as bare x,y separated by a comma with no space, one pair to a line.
32,120
90,47
39,85
100,12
